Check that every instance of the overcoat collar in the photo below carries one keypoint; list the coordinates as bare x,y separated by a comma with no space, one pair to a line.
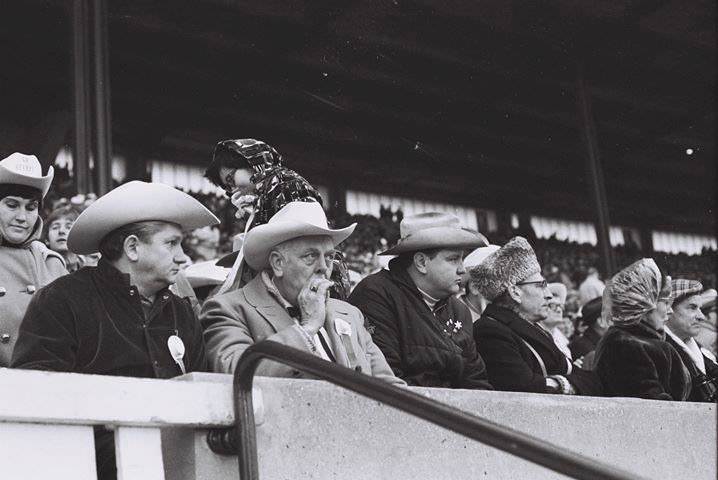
531,333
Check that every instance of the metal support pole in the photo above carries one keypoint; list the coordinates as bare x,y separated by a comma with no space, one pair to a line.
103,130
595,174
81,76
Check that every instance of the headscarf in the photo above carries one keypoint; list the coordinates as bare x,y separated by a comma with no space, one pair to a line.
636,290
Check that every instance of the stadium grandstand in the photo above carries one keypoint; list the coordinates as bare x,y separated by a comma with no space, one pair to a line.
585,126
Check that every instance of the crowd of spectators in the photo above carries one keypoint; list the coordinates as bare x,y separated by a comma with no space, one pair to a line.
393,297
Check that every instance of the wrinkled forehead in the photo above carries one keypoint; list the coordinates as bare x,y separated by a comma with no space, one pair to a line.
323,243
692,300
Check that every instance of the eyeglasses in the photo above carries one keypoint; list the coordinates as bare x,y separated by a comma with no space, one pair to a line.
541,283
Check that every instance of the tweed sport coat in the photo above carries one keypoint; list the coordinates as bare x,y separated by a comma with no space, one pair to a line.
235,320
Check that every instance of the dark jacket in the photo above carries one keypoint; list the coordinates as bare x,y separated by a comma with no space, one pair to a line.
636,361
584,344
91,321
425,348
501,337
697,377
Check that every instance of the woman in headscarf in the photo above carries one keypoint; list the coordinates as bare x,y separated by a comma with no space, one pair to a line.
252,174
26,264
633,359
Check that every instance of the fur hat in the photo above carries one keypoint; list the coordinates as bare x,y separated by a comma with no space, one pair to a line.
507,266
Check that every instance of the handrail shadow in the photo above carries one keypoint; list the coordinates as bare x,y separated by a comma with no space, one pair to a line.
501,437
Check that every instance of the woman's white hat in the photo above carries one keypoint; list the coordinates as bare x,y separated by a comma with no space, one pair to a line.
205,273
479,255
21,169
434,230
135,202
294,220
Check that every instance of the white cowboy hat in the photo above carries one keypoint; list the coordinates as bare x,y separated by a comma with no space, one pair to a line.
434,230
205,273
135,202
295,219
477,256
21,169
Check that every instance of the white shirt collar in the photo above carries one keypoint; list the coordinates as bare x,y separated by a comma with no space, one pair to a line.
691,348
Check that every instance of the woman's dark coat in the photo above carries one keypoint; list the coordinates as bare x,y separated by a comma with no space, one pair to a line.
636,361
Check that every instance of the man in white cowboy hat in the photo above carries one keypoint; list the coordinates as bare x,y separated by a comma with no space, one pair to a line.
424,331
26,264
288,302
520,355
120,318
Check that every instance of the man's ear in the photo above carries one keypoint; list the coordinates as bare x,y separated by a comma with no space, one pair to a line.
420,260
130,247
515,293
276,263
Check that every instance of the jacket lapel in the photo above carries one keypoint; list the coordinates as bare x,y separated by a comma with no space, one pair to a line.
340,352
267,306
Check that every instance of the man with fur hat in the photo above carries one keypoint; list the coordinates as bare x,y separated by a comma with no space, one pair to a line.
288,302
26,264
120,318
424,330
519,354
681,329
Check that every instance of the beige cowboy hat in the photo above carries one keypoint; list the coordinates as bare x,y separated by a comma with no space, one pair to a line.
21,169
434,230
295,219
135,202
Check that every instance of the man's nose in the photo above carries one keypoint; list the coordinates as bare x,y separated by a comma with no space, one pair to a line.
461,270
181,257
700,315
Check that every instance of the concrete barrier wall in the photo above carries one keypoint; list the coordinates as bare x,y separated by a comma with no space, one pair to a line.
311,429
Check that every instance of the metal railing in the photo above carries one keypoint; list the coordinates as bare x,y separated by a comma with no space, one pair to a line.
503,438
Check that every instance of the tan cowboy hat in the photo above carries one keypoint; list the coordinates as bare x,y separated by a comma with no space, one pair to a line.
135,202
21,169
295,219
434,230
